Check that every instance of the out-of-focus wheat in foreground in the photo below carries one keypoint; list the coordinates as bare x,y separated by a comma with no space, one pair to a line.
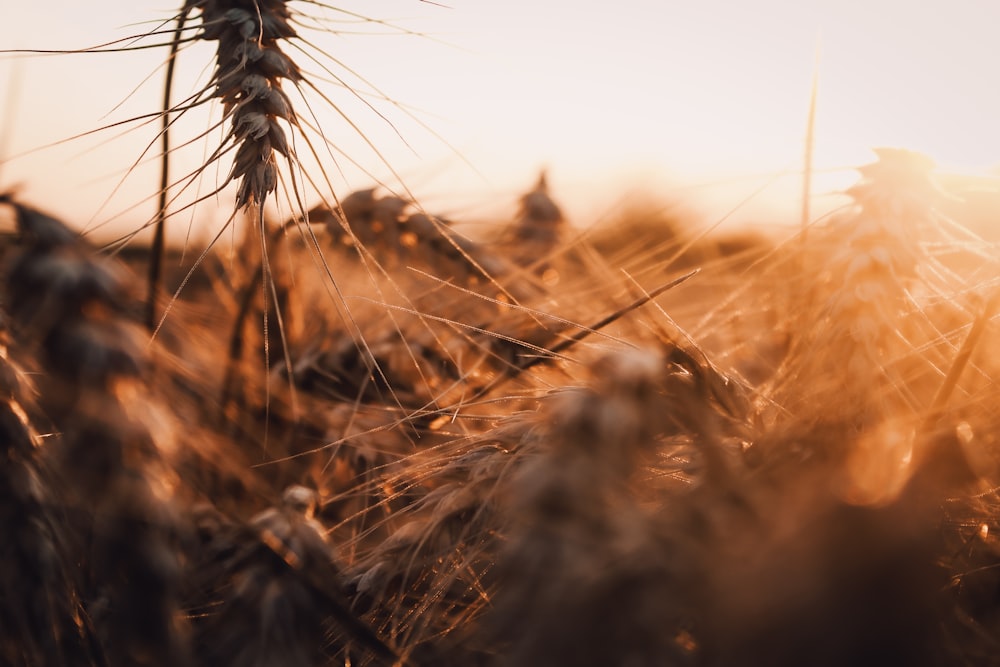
786,459
383,441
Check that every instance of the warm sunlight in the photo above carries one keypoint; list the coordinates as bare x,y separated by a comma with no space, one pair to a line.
498,333
642,95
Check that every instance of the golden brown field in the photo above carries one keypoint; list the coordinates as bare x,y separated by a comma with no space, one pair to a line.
365,437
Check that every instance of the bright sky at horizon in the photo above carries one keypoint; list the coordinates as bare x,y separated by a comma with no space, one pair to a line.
639,95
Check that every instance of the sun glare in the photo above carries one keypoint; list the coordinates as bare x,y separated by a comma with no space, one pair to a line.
642,95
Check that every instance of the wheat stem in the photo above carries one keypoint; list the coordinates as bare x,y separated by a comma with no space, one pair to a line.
159,240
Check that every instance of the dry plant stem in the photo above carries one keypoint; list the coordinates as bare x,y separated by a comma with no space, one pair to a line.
807,166
962,358
618,314
236,337
567,343
159,236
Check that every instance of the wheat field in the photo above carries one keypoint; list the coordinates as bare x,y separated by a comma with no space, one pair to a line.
365,434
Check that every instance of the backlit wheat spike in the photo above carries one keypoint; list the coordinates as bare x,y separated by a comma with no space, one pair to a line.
872,267
877,255
250,68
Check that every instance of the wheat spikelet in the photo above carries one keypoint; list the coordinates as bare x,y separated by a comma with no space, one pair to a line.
579,547
69,311
41,609
540,218
250,68
278,573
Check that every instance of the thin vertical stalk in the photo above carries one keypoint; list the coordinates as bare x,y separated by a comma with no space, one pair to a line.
807,167
157,251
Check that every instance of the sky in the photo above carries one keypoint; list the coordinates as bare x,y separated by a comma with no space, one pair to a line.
703,103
